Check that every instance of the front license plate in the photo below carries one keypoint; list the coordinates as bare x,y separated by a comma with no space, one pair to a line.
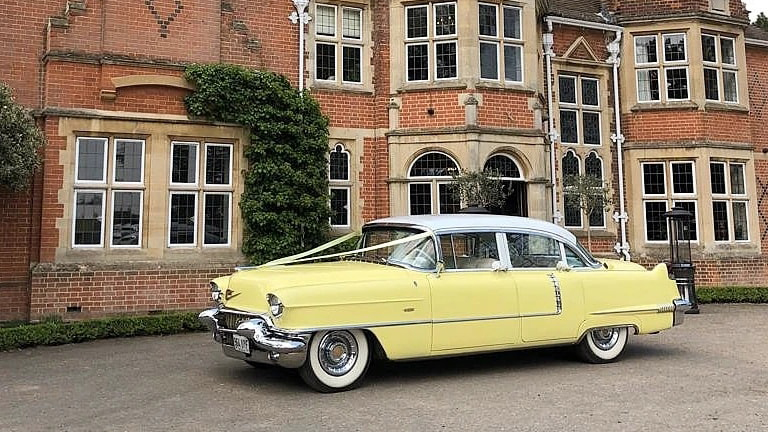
241,344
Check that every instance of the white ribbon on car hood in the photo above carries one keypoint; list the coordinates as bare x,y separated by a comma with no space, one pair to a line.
301,256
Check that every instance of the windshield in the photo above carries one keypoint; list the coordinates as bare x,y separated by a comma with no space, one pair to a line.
418,253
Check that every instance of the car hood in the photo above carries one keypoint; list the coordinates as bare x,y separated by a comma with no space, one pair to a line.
619,265
306,284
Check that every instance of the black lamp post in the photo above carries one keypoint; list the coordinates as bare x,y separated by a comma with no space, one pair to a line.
681,263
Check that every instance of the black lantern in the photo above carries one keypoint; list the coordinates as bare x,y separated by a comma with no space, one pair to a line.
680,261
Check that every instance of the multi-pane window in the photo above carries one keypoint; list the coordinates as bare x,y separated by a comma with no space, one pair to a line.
338,44
571,207
338,175
108,195
579,99
572,211
661,71
430,190
501,44
431,46
200,197
668,184
720,68
729,201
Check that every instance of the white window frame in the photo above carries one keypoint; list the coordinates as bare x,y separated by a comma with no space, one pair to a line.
719,86
664,48
431,194
347,206
500,41
195,218
114,162
431,40
732,219
578,125
339,41
335,20
105,147
729,187
340,148
672,178
103,193
654,36
687,82
637,86
204,166
197,166
229,219
645,221
141,219
722,68
360,13
664,172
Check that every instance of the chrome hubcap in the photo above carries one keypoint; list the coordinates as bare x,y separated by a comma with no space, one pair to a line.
337,352
605,339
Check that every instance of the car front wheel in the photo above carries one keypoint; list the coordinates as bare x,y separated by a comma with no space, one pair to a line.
603,345
337,360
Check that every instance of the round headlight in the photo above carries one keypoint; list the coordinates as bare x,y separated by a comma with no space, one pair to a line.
275,305
215,292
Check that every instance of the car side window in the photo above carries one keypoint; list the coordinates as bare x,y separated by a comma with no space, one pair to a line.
532,251
469,250
573,259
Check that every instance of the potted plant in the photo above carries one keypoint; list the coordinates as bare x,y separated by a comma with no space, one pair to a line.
478,191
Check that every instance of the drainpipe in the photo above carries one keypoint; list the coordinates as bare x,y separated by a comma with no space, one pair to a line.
548,40
614,48
302,17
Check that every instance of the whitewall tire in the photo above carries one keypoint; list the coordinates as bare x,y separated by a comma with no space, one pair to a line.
337,360
603,345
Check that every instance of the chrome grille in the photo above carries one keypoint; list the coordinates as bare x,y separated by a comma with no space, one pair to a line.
230,320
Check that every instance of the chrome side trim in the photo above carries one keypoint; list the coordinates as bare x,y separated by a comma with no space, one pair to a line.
558,301
363,326
488,318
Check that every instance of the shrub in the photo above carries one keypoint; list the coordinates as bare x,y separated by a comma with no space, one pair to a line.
285,204
56,332
732,294
20,143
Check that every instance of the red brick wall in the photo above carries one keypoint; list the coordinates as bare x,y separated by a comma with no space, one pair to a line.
689,124
23,31
566,35
103,292
737,271
445,103
505,109
16,219
635,8
346,109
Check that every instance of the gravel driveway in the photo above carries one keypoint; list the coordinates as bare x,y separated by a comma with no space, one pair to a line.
711,374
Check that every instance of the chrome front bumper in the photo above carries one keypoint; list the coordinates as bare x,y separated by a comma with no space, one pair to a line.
267,343
681,307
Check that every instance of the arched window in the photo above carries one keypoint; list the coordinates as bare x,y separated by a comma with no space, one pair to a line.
571,207
338,175
593,166
339,163
504,166
515,189
432,172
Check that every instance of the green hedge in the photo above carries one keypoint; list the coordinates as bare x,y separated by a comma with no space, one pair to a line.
55,332
732,294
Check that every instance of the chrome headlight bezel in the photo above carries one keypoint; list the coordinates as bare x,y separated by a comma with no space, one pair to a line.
215,292
275,305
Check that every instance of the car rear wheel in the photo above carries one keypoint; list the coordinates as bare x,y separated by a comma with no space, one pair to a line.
337,360
603,345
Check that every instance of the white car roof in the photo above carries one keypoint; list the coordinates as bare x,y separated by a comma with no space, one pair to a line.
476,221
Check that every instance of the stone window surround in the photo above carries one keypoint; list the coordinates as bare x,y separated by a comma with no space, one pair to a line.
694,30
155,192
468,44
342,183
367,52
669,197
352,140
581,155
706,245
662,66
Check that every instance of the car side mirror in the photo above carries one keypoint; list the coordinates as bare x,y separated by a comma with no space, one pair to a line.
562,266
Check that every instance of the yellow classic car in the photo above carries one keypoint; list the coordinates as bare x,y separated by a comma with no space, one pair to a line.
432,286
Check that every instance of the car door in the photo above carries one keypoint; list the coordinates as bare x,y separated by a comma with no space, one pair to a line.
474,302
551,300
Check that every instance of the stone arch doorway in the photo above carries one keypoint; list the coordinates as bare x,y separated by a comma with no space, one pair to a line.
515,186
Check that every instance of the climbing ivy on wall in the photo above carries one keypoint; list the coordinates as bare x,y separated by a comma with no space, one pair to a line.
284,205
20,143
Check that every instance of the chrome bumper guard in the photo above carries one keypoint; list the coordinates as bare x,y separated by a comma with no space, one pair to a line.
681,307
267,343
